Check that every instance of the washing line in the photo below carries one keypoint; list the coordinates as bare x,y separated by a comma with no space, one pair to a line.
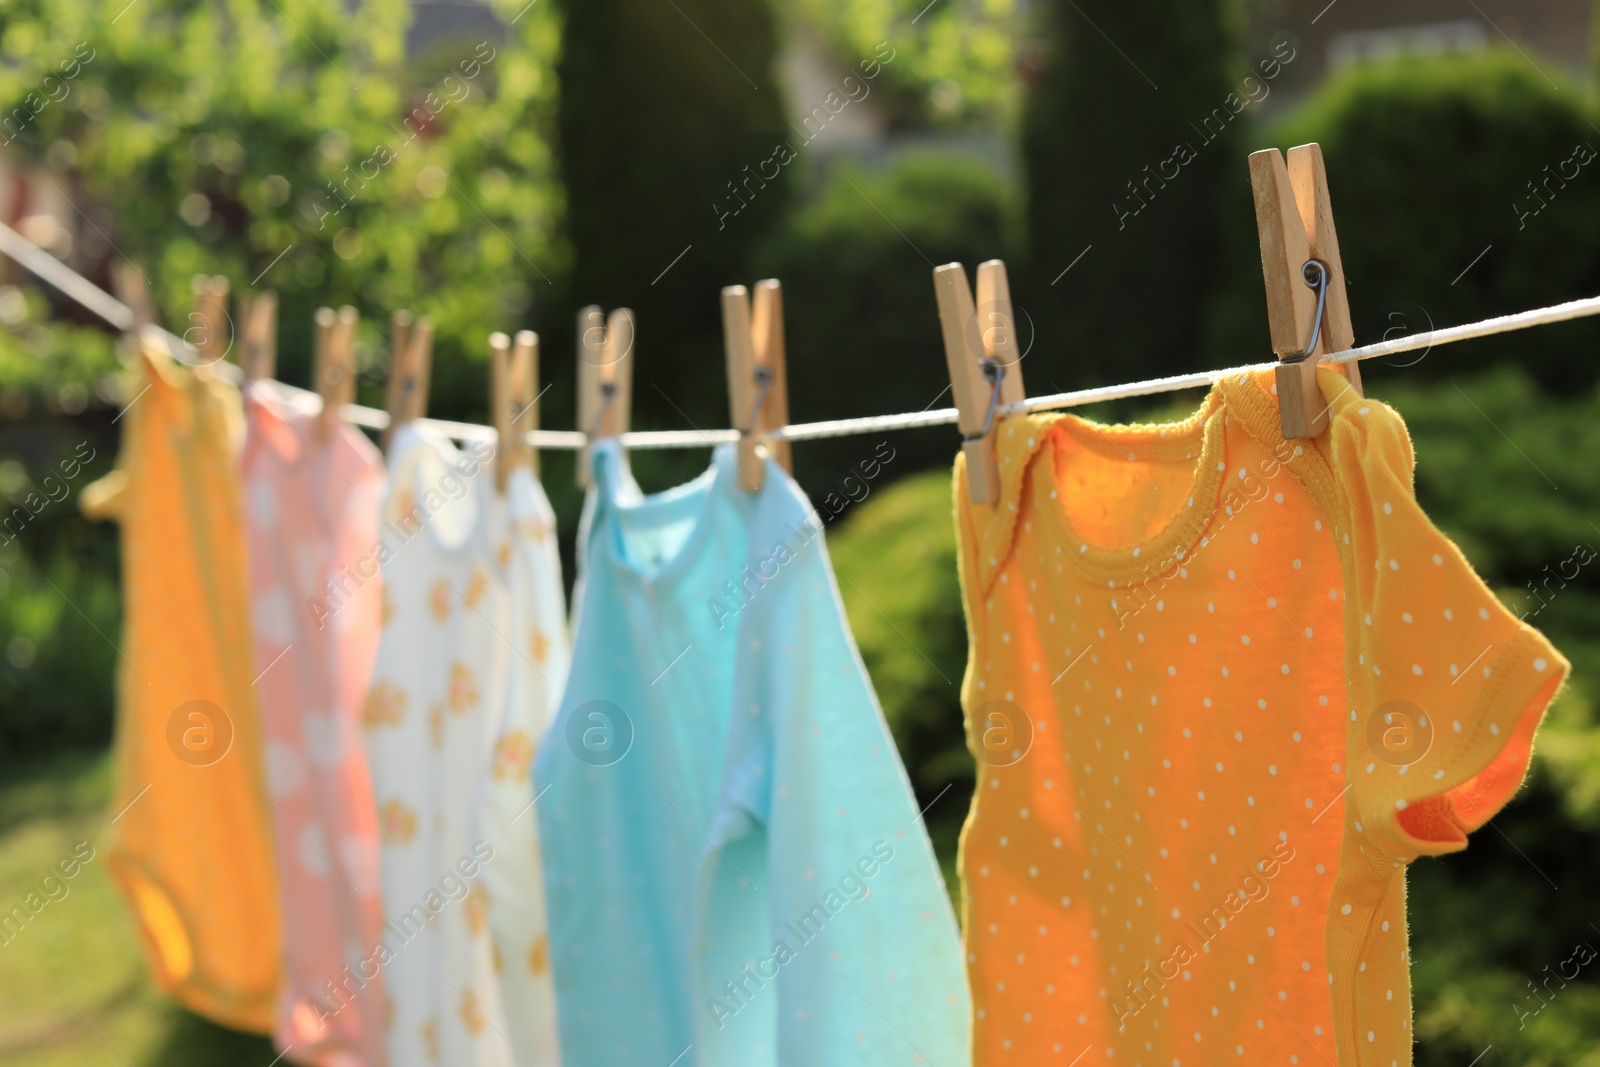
50,269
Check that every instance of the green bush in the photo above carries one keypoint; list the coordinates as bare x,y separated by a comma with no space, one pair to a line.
862,325
1429,164
1508,472
60,606
896,562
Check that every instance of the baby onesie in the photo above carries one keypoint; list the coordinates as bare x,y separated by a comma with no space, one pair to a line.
531,679
1223,687
737,868
191,848
467,665
311,523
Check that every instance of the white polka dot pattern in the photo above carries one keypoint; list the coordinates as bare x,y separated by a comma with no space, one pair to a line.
1232,890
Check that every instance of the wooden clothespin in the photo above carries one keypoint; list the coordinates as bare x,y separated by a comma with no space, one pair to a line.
335,365
399,334
129,282
605,378
513,387
525,393
985,370
1299,252
420,343
258,315
758,386
408,372
208,330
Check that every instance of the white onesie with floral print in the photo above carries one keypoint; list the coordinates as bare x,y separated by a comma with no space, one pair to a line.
470,666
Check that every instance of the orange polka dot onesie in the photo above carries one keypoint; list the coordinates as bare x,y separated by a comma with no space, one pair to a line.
1223,688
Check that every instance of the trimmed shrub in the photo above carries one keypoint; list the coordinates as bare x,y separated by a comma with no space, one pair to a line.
1463,187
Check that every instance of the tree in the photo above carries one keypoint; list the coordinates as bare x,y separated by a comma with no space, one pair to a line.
669,122
284,144
288,144
1134,167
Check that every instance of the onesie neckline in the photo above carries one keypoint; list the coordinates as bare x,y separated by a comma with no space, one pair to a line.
1200,435
620,494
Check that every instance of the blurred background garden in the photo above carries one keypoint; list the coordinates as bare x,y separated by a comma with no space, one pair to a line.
498,164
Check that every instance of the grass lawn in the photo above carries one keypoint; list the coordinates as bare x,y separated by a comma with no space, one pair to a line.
73,989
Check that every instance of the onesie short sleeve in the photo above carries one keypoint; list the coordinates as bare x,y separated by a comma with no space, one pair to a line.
1448,685
101,501
813,759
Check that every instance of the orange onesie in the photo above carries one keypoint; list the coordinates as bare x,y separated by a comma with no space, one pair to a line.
192,850
1223,688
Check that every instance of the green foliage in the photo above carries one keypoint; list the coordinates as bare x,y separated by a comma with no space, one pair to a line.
669,118
1432,163
1570,744
229,135
1132,145
955,62
55,365
859,311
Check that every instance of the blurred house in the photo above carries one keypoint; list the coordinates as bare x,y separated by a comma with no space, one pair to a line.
438,25
1554,35
39,201
33,203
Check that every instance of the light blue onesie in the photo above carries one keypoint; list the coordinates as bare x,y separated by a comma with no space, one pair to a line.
737,872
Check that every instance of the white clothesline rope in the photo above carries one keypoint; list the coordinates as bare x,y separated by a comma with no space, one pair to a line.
119,315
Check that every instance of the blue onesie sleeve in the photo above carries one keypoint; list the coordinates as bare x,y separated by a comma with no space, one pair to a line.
864,952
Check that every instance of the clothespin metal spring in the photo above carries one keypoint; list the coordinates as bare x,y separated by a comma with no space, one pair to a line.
763,379
994,373
1315,274
608,394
